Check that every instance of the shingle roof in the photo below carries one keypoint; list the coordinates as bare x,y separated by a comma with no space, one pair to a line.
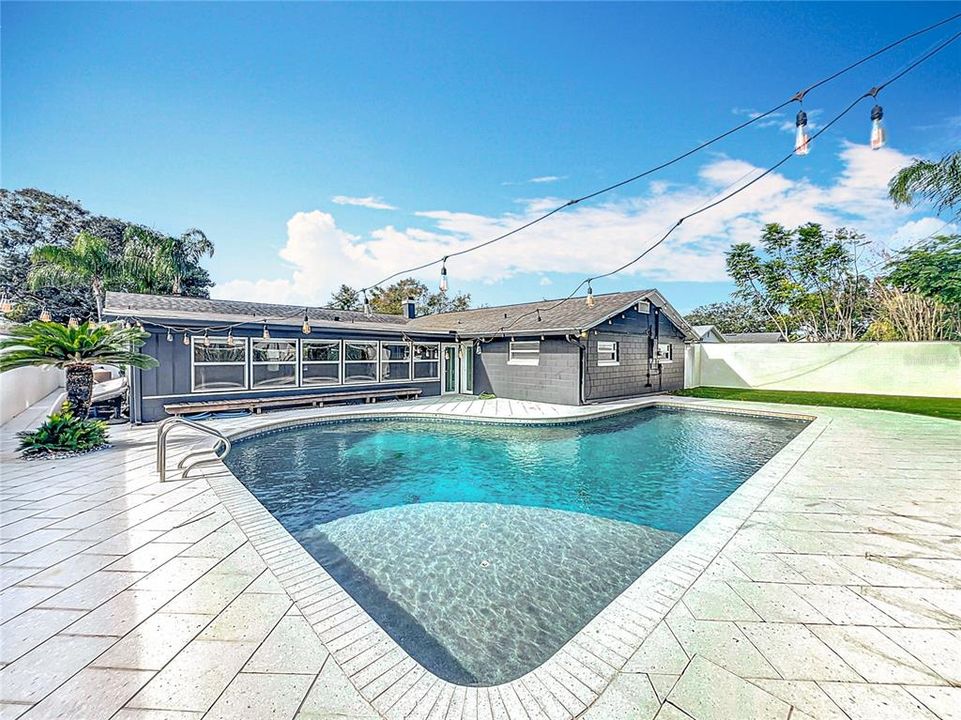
569,316
174,307
546,316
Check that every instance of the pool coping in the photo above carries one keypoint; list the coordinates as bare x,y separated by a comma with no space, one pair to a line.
564,686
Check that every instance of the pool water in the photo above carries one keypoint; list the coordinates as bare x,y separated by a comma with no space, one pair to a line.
481,549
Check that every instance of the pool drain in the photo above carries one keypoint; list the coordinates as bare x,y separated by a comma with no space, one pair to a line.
485,563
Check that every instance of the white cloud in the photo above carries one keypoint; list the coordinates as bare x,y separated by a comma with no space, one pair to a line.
374,203
594,238
545,179
544,281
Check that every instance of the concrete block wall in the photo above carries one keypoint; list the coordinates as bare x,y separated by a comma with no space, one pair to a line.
554,379
630,376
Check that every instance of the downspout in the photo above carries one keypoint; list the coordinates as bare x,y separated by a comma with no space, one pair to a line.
582,369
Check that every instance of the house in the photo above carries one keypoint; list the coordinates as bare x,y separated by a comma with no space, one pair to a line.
623,345
754,337
708,334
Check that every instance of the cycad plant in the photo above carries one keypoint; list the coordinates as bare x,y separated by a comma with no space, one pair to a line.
76,350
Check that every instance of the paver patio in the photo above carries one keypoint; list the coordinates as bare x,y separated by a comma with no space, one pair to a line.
838,595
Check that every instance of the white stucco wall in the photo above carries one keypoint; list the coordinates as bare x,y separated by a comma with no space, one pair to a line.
930,369
19,389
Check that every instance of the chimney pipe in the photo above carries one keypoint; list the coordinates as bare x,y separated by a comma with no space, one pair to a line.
410,308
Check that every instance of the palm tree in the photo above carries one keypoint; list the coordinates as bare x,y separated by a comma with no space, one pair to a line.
87,262
75,350
165,259
939,182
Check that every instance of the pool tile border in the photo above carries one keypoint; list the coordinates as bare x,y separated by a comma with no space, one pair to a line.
575,676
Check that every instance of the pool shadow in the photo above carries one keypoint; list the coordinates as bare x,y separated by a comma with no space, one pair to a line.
402,627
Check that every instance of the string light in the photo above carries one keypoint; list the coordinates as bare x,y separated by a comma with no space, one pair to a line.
878,135
305,328
93,324
206,339
802,143
186,338
589,300
5,304
44,314
366,304
266,333
230,338
443,275
750,121
170,336
72,323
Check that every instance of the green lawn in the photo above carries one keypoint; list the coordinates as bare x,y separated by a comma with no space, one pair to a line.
938,407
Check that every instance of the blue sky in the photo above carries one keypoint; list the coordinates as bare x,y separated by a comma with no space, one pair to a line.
340,142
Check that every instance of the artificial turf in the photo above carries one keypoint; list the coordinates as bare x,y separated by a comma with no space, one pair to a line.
949,408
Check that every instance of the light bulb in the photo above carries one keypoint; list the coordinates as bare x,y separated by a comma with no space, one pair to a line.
186,339
589,300
878,136
72,322
170,336
230,339
802,143
206,339
266,332
44,315
366,304
93,325
5,304
305,328
443,276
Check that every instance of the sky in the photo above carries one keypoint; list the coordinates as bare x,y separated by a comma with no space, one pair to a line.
319,144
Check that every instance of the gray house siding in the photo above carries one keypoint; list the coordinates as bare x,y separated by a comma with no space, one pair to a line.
631,376
171,381
554,379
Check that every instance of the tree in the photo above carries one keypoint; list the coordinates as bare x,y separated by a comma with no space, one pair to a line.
805,281
345,298
902,315
88,262
32,218
731,317
390,300
931,270
165,260
76,350
936,182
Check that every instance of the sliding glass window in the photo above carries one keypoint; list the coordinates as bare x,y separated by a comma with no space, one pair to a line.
320,362
360,361
217,366
426,361
274,364
394,362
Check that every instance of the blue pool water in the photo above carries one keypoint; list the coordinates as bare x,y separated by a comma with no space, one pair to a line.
481,548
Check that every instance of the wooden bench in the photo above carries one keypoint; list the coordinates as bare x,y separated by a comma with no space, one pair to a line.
258,405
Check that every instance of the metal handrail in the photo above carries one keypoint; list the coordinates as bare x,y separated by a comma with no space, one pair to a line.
164,428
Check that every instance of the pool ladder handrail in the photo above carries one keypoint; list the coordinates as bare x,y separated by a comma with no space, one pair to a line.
164,428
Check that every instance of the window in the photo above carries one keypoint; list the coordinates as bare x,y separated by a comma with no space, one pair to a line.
360,361
426,361
524,352
320,362
665,353
217,366
394,362
608,353
274,364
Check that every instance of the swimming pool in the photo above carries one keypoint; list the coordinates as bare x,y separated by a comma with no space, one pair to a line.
481,549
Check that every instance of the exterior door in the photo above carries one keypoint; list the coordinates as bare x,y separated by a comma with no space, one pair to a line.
450,375
467,368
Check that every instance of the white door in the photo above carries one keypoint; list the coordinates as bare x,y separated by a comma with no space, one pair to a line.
467,368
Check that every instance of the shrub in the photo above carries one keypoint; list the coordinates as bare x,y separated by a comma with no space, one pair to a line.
64,432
